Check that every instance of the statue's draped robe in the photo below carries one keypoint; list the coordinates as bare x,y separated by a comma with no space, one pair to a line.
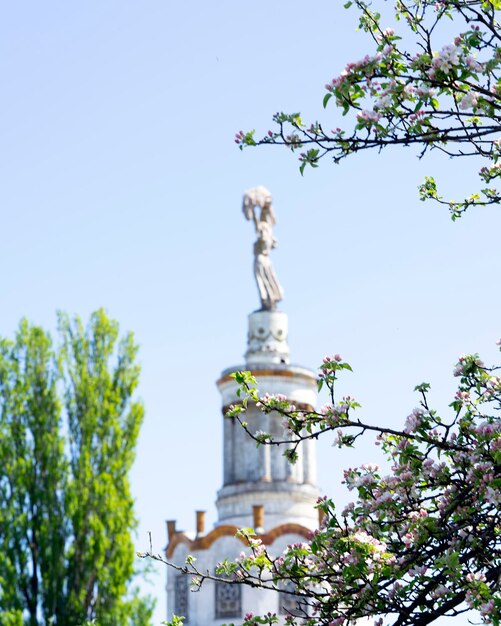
270,291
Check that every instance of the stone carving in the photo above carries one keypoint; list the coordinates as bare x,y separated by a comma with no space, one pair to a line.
267,338
270,291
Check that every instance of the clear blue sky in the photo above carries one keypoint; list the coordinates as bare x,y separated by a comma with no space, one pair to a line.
120,186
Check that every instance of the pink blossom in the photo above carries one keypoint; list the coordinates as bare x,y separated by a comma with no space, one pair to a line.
425,91
469,100
383,102
439,592
413,421
475,577
370,117
371,467
463,396
487,608
473,64
446,59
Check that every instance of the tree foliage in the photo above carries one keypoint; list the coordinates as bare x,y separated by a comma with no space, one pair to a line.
68,430
418,86
420,541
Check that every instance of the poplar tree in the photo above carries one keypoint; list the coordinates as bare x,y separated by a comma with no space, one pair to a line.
68,430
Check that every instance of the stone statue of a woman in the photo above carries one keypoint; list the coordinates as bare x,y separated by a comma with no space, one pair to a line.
270,291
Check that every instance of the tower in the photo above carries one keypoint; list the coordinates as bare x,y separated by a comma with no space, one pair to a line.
261,489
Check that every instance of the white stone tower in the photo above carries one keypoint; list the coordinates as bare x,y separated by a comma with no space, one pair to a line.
260,488
263,476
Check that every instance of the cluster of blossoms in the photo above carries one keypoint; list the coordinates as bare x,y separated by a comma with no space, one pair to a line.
330,362
369,118
331,366
467,364
333,416
445,60
493,385
390,92
476,595
367,65
270,402
262,437
414,420
492,172
469,100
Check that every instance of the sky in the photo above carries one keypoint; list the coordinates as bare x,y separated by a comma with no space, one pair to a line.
121,187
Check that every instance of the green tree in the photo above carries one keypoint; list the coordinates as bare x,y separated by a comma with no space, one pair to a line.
418,86
68,431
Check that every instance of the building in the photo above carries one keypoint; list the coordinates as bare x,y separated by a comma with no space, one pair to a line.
261,489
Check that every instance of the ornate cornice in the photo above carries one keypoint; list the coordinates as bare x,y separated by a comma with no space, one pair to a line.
227,530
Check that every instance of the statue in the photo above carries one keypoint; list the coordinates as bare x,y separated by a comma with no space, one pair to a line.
270,291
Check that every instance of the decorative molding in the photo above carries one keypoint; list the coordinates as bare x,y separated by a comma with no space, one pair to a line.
285,529
202,543
227,530
177,539
261,336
